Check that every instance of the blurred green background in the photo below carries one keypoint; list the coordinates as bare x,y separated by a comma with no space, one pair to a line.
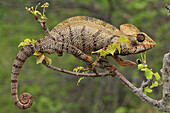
55,92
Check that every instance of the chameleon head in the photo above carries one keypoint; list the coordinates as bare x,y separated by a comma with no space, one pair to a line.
138,41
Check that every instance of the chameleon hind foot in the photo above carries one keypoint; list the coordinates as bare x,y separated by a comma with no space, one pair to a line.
123,62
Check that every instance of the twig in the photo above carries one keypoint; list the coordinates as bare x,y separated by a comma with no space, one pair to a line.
145,84
43,24
107,73
139,92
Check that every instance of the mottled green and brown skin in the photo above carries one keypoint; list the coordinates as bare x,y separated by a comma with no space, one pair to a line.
80,36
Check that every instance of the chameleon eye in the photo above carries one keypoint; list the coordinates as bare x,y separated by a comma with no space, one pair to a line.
140,37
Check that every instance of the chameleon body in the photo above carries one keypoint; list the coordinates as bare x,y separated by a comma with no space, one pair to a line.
80,36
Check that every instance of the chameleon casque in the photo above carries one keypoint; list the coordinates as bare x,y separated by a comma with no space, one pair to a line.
80,36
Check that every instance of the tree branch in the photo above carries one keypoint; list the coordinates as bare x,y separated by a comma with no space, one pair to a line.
136,91
145,84
107,73
166,81
43,24
139,92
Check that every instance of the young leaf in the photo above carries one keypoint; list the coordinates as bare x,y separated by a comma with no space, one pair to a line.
81,68
78,69
48,60
21,44
144,69
122,39
118,47
37,53
144,92
27,41
111,49
148,90
34,43
40,59
155,83
152,86
140,66
157,76
80,80
148,74
102,52
98,51
75,69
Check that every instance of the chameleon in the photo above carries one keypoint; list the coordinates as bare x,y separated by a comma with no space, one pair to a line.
80,36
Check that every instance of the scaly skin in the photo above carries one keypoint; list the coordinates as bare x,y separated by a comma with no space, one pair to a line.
80,36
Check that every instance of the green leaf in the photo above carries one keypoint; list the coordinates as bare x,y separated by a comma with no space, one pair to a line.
98,51
152,86
34,43
148,90
78,69
144,69
157,76
148,74
81,68
144,92
111,49
75,70
27,41
37,53
122,39
141,66
155,83
118,47
21,44
48,60
102,52
40,59
80,80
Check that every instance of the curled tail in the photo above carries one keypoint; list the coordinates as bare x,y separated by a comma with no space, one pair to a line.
26,99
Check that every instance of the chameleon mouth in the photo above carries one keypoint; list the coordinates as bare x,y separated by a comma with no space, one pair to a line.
141,48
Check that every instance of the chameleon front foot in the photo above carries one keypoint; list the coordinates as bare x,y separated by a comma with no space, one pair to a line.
123,62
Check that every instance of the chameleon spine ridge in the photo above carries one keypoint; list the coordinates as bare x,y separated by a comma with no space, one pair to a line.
26,99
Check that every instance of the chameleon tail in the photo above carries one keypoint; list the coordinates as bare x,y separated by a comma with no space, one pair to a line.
26,99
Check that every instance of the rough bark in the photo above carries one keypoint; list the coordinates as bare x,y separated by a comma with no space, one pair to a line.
166,82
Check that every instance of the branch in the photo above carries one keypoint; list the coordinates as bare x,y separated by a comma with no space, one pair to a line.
139,92
145,84
166,81
43,24
136,91
107,73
